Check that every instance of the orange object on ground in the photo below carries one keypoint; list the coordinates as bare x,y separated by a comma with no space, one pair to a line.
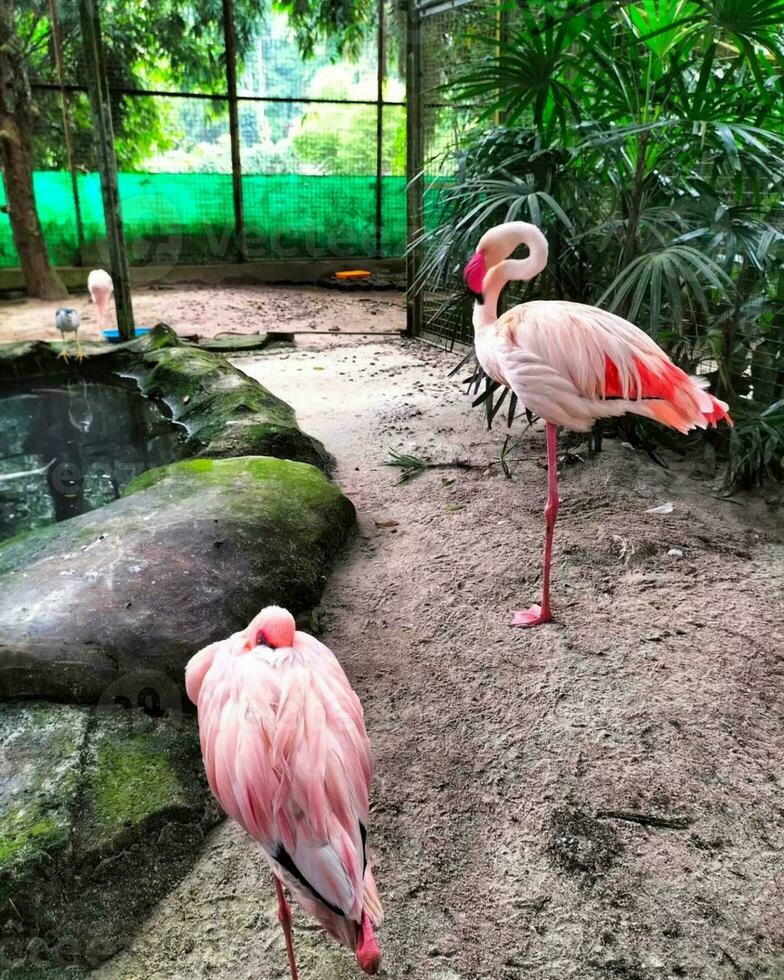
353,274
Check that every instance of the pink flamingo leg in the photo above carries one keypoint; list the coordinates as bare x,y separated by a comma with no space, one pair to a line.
542,614
284,918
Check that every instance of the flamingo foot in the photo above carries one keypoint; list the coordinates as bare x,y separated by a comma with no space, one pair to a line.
531,617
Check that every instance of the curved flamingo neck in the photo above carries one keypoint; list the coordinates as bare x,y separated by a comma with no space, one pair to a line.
502,241
486,306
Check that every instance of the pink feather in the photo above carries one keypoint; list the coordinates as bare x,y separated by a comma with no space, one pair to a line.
287,756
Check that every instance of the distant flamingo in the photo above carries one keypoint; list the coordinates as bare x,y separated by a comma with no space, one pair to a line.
287,756
101,287
571,364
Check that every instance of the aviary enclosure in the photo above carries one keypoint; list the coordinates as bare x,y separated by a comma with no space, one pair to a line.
650,154
287,444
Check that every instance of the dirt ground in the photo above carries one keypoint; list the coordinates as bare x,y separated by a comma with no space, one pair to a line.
206,310
500,753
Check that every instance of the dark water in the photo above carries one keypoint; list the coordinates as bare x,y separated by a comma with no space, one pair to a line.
87,440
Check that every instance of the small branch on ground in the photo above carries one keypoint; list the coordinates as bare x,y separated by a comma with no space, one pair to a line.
411,466
646,819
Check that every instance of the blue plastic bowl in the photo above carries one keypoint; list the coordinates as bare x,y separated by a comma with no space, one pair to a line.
113,336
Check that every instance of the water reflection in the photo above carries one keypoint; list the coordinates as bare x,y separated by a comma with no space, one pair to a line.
68,448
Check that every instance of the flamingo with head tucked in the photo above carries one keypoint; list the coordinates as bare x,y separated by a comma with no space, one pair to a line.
287,756
101,287
571,364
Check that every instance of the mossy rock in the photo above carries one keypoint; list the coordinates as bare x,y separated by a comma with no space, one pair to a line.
109,606
225,412
101,813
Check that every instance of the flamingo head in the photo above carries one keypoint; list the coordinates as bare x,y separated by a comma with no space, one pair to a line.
497,245
273,627
475,271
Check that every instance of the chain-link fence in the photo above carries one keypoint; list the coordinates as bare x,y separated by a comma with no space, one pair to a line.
439,44
311,163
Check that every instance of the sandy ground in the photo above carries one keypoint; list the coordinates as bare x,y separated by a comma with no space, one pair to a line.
205,311
658,692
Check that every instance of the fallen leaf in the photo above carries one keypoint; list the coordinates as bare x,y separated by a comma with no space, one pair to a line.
667,508
386,523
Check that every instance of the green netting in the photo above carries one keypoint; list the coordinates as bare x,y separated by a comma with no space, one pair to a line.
58,220
176,218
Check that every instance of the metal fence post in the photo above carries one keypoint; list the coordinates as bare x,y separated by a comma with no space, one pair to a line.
234,126
98,88
414,166
380,75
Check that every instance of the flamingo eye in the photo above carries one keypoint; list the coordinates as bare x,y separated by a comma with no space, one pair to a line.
261,639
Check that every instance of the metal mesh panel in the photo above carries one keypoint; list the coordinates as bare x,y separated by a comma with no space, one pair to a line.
321,150
445,39
393,181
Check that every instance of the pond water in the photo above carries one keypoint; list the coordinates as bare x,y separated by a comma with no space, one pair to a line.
69,448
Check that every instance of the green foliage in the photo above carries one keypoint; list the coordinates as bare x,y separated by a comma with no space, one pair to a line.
409,465
757,446
177,45
341,20
341,139
648,141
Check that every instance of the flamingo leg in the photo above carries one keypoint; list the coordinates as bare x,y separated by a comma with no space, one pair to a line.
542,614
284,918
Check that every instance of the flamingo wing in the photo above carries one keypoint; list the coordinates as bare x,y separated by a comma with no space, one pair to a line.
287,756
572,364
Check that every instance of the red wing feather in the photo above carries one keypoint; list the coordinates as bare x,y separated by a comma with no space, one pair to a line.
653,385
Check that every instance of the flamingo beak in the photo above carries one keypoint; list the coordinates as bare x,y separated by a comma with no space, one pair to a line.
474,273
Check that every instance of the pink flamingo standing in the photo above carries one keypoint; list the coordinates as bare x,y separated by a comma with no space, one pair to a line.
287,756
571,364
101,287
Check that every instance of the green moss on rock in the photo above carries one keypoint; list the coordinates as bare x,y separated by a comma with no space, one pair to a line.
280,475
131,782
102,811
19,836
39,779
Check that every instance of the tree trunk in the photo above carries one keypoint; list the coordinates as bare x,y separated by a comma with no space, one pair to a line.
16,155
